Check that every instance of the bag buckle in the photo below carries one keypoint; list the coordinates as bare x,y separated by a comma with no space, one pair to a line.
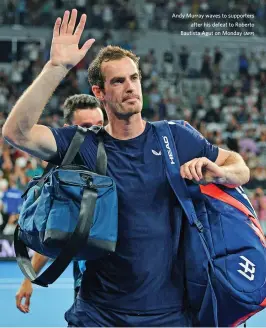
88,179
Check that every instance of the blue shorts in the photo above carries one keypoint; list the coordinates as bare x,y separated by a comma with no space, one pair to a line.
84,314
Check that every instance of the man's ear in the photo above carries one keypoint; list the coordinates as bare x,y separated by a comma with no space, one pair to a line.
98,93
66,125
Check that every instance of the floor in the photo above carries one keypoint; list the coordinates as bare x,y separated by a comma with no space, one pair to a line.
49,304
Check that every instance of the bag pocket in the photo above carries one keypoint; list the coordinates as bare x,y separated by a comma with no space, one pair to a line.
195,294
104,226
244,266
61,222
34,211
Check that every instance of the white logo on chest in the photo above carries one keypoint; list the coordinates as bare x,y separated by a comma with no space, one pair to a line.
156,153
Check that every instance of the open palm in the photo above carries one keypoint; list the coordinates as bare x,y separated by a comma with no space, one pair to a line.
65,44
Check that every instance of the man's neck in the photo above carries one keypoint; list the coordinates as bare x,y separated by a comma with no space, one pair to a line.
126,129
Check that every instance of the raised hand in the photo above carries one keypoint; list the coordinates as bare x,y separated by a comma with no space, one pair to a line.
65,44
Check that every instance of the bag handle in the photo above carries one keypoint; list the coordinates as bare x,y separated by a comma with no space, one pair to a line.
85,220
177,183
73,149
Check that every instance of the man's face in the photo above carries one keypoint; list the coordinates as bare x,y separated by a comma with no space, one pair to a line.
122,89
88,117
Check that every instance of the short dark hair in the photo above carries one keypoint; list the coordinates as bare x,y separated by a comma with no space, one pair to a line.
80,101
95,75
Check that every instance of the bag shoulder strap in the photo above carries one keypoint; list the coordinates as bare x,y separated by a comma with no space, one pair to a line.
74,146
181,191
172,164
101,160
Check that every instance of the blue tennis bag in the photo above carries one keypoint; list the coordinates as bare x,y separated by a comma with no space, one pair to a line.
223,246
70,213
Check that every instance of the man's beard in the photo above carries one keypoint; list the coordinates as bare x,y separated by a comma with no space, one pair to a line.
123,114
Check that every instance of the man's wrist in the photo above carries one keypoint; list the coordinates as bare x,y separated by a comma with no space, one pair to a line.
60,69
227,179
219,180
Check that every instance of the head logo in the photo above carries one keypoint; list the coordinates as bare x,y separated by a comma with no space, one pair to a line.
169,151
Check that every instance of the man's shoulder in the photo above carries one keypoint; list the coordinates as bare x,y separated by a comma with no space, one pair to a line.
177,125
183,129
182,125
70,131
174,122
64,131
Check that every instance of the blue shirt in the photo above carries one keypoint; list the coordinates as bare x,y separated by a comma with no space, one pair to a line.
139,276
12,201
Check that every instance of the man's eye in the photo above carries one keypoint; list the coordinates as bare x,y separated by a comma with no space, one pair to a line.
119,80
86,125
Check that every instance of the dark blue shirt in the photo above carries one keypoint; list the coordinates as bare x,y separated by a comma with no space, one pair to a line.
139,276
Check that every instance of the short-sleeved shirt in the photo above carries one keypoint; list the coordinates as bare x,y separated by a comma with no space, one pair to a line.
12,201
139,277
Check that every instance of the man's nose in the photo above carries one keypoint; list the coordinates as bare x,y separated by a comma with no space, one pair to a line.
129,86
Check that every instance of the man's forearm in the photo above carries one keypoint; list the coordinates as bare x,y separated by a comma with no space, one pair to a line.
38,261
28,109
236,172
